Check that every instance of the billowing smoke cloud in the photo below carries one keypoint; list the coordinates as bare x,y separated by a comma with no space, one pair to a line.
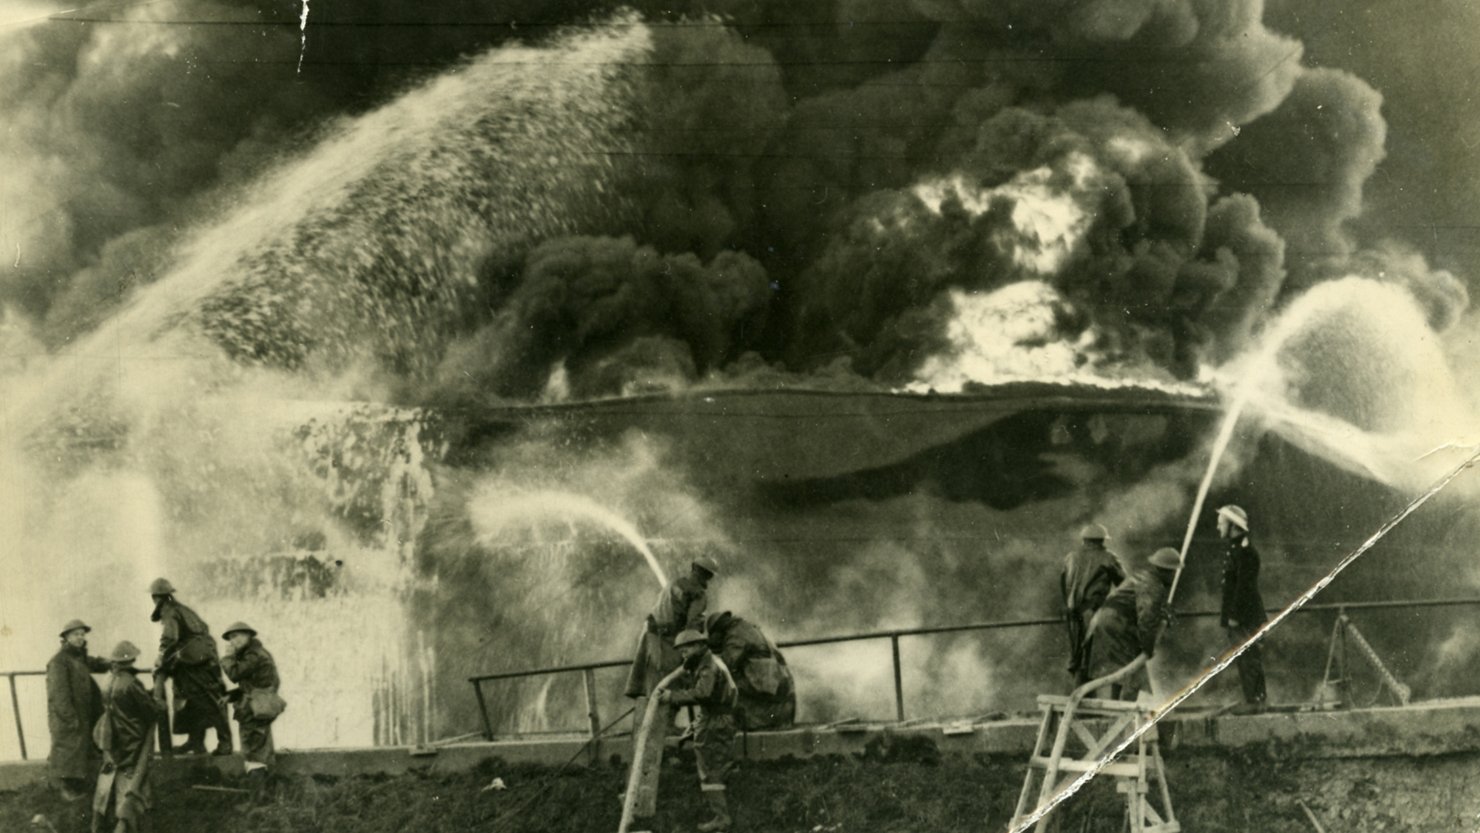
611,313
877,183
1095,202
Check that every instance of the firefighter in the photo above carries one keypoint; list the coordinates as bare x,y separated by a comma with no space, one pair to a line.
125,733
257,702
707,684
1130,622
767,692
1090,572
1243,609
680,607
187,655
73,705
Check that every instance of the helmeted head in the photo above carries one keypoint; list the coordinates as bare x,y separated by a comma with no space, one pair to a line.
124,654
238,634
75,632
161,587
1233,522
690,644
1165,558
717,622
704,568
1093,532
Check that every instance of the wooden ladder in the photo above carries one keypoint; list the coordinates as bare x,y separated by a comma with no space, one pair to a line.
1074,733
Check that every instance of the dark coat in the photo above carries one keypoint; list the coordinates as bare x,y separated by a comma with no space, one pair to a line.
130,713
73,705
184,637
767,692
679,607
1141,603
707,685
1090,573
254,669
126,734
1241,600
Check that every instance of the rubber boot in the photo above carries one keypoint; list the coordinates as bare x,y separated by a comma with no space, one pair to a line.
717,803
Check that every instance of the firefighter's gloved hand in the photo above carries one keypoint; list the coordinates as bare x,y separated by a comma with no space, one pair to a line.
1168,617
664,695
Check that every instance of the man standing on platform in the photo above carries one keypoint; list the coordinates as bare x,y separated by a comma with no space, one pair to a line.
1243,608
249,665
73,705
1090,572
680,606
187,655
706,683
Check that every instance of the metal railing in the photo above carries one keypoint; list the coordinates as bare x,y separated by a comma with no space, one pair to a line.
589,669
15,706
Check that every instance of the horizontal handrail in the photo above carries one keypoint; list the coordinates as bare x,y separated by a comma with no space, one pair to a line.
896,633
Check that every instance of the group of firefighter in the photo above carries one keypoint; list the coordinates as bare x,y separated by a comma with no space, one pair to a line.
726,667
717,663
1113,617
102,739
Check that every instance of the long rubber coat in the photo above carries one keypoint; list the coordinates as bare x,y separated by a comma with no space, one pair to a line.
680,606
1090,573
188,656
73,705
126,734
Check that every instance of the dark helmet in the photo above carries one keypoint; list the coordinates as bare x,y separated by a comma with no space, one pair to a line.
75,625
235,627
124,652
688,637
161,587
1165,558
717,622
707,564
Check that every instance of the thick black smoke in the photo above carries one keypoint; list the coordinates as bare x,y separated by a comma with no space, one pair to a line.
878,164
611,313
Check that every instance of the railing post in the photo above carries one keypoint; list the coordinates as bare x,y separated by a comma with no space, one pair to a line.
15,707
898,679
589,676
483,710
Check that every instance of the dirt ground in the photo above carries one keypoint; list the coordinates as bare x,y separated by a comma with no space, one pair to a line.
888,790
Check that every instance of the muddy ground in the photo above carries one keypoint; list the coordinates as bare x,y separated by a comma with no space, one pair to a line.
888,790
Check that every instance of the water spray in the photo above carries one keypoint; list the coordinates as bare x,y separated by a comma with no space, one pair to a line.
1220,444
550,503
1233,654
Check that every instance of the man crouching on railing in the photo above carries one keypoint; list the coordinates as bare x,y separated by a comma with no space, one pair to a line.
706,683
1129,624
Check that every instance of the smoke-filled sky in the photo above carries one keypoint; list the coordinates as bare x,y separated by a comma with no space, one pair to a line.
933,193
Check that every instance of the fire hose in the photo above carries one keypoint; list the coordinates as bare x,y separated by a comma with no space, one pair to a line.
1228,658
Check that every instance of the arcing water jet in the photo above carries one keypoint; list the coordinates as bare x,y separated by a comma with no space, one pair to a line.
364,249
492,513
1275,377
